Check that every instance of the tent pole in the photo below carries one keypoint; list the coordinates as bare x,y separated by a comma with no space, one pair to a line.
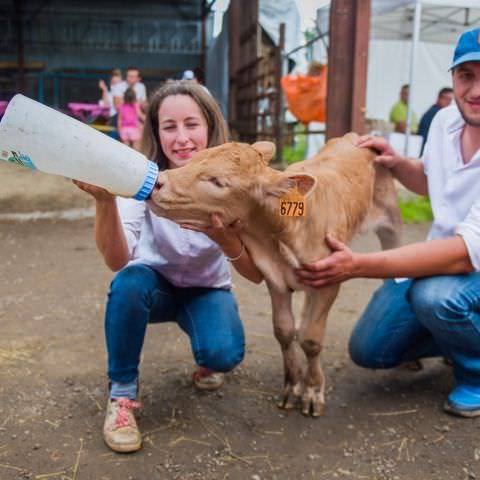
413,56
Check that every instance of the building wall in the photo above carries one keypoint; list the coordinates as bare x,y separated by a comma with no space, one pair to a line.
88,39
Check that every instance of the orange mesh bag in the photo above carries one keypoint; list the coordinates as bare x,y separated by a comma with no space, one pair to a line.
306,96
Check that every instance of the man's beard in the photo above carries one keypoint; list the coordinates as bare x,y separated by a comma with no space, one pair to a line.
467,120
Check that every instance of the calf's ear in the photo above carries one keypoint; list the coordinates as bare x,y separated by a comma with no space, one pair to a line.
284,183
265,149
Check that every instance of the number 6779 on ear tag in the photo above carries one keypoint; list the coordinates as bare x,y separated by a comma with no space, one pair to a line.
293,204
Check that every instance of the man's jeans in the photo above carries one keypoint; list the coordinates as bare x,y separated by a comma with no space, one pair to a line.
434,316
139,295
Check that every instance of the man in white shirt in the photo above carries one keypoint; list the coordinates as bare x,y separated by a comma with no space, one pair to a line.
436,312
133,79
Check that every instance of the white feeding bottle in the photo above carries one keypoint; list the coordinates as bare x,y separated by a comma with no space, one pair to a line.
40,138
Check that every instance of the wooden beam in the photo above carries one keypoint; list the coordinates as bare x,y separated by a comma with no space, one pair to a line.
347,66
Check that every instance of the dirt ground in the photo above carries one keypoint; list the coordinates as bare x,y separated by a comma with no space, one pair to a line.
382,425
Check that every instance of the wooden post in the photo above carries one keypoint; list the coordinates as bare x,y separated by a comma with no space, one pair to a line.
347,66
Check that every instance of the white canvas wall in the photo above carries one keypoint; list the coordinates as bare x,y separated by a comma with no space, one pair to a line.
388,70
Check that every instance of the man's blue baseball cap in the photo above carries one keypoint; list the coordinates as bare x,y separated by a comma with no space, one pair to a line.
468,48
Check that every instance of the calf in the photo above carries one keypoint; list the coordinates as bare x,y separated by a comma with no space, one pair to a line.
337,191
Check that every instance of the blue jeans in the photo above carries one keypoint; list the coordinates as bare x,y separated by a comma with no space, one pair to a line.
434,316
140,295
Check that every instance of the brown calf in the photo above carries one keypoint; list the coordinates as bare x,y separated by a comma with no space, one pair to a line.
343,190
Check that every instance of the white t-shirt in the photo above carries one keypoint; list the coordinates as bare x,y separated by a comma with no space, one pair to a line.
184,257
118,90
453,187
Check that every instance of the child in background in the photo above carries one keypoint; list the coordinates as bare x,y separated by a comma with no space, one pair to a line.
129,115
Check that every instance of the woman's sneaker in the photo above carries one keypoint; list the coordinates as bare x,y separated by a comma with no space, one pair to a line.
120,430
206,379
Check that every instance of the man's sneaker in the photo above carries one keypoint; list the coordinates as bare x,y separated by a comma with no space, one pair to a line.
120,430
206,379
464,401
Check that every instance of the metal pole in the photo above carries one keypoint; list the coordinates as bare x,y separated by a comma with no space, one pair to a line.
413,56
278,121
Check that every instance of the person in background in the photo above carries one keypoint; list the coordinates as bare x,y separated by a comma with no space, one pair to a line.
132,80
166,272
190,76
107,96
398,113
129,116
436,311
444,99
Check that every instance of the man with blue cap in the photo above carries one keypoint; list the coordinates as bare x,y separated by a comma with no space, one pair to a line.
436,310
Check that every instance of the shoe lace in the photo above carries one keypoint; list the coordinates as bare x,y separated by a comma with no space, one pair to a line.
125,406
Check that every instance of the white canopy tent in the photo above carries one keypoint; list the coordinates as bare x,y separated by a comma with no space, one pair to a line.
412,42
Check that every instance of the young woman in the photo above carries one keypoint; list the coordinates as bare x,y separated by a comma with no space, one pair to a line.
165,271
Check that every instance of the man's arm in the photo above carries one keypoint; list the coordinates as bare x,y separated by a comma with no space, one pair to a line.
448,256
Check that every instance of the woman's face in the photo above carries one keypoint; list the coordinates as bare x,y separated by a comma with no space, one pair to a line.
182,129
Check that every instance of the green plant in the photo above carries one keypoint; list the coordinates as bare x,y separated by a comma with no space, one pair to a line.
297,152
416,210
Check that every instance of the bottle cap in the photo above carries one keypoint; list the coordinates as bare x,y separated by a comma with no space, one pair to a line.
148,183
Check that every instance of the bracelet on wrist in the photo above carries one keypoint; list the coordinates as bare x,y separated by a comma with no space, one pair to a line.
242,250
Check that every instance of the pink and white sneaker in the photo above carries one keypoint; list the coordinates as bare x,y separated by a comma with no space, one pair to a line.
120,430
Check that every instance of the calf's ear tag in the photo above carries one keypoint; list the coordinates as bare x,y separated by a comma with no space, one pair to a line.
293,204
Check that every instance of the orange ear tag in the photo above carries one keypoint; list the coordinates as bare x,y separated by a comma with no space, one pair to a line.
293,204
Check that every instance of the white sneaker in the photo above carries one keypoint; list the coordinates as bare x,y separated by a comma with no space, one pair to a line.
120,430
206,379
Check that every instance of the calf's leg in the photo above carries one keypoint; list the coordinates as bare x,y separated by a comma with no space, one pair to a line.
311,333
284,329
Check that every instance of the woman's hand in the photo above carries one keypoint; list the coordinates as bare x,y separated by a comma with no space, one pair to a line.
228,239
225,236
109,234
337,267
386,154
98,193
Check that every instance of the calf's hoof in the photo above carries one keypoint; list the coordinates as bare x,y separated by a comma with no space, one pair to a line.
285,404
291,396
313,402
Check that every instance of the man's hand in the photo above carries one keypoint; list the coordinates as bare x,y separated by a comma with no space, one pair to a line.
386,154
337,267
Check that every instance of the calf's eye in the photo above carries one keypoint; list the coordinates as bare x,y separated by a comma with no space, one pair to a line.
216,182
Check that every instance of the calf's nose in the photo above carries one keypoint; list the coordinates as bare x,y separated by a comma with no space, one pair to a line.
159,182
